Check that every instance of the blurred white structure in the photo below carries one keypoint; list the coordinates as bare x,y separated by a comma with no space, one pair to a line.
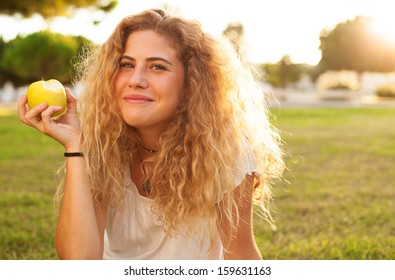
7,93
370,81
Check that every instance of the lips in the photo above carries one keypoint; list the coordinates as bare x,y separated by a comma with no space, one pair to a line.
137,99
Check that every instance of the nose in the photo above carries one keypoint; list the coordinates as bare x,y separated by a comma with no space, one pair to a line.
138,78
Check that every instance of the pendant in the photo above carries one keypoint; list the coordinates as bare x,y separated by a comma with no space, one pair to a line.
147,187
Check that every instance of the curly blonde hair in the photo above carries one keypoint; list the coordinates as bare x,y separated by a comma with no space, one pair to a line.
220,121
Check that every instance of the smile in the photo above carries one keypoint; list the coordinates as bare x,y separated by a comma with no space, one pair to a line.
137,99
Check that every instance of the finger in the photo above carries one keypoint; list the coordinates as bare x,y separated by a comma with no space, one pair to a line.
70,96
22,109
71,101
46,118
48,112
33,116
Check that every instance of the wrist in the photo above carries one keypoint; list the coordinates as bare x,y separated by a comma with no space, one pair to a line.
73,148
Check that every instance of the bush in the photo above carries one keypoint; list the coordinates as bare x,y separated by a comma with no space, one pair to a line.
387,90
3,76
339,87
338,80
41,55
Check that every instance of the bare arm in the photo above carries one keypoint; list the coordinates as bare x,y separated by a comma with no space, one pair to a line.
81,223
242,246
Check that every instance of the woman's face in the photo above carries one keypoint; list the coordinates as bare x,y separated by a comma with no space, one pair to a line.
150,82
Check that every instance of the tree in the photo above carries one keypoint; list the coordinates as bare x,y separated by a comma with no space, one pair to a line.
284,72
3,76
235,33
41,55
352,45
49,9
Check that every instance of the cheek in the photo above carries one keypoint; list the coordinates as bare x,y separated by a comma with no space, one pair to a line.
180,86
119,84
177,93
181,95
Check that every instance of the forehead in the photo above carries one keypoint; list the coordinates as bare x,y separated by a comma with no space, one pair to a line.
149,42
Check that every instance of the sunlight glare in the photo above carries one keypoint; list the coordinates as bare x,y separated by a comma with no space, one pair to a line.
384,29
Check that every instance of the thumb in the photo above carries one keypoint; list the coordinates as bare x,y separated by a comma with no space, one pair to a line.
71,101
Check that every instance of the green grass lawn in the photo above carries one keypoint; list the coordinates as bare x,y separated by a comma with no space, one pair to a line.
336,201
28,165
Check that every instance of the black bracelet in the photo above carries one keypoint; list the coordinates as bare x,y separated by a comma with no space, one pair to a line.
78,154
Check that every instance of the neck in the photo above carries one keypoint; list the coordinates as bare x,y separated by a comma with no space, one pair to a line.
149,141
151,151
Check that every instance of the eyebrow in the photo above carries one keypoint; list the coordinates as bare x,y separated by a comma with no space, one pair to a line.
149,59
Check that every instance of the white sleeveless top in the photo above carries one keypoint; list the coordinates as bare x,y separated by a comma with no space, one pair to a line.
135,233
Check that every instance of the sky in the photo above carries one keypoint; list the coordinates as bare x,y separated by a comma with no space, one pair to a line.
272,28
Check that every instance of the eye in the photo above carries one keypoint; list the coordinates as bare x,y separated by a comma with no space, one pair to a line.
126,65
158,67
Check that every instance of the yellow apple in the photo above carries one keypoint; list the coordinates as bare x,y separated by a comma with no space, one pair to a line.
52,92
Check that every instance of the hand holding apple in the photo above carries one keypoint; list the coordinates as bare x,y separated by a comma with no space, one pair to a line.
65,129
52,92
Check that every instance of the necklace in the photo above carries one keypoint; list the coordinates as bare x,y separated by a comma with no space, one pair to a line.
147,187
149,150
147,184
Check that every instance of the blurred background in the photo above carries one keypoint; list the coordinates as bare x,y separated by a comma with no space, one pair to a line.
302,51
327,69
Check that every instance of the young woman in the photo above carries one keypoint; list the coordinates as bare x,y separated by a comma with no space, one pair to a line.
172,148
